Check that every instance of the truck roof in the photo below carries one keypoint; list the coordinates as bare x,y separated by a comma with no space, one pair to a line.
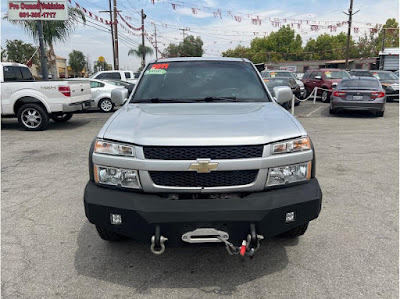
200,59
12,64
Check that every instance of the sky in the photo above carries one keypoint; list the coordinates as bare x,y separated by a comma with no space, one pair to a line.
218,33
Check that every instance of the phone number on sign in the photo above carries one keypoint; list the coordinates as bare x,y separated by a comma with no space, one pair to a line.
49,15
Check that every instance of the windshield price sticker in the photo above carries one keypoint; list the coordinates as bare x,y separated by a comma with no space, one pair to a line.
328,74
155,72
163,66
56,10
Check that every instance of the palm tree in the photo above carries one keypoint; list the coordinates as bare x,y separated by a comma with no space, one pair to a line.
54,31
140,52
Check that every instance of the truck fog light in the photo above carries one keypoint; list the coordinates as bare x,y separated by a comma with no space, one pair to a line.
116,219
127,178
290,217
289,174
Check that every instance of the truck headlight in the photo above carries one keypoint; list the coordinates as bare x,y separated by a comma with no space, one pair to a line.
112,148
295,145
289,174
112,176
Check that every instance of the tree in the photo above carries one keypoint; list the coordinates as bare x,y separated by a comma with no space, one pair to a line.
240,51
18,51
283,44
141,51
77,61
54,31
391,36
190,47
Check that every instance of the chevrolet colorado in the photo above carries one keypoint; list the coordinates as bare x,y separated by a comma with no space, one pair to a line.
200,153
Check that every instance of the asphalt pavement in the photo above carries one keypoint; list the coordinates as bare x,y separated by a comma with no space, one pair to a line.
50,250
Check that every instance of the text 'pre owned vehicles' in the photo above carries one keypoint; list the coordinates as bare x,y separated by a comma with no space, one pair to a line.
202,153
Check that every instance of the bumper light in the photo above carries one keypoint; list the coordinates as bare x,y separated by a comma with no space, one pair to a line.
290,217
289,174
126,178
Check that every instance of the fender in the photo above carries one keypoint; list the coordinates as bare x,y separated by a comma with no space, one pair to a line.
25,93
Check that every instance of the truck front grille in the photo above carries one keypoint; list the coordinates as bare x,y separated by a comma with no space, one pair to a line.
195,152
212,179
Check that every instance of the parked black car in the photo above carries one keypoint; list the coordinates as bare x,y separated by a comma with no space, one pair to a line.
129,86
390,83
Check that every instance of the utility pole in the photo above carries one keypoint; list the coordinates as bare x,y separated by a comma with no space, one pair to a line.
350,14
383,49
183,32
112,21
155,40
43,57
143,46
116,66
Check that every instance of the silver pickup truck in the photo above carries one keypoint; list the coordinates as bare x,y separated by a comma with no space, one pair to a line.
202,153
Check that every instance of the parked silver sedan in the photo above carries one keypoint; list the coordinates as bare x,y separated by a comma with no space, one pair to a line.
359,93
101,95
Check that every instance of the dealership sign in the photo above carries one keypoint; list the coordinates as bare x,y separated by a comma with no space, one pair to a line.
20,10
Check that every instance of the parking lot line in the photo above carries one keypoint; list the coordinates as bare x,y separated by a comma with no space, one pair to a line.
309,114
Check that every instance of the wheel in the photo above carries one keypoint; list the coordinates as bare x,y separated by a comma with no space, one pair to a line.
297,103
325,96
105,105
108,235
62,117
332,111
295,232
32,117
380,113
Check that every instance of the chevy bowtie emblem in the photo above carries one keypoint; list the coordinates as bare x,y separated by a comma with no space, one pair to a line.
203,166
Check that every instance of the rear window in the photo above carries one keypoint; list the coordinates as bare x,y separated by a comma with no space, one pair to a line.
360,74
359,84
109,76
385,76
336,74
127,75
197,80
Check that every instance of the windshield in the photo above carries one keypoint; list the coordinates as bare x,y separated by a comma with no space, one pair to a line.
336,74
188,81
273,82
385,76
279,74
359,84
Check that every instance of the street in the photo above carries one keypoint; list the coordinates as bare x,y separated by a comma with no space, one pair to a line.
50,250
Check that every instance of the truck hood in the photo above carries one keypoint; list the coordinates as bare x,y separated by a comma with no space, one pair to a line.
201,124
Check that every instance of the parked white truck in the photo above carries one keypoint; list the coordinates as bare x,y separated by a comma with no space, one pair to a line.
34,102
127,76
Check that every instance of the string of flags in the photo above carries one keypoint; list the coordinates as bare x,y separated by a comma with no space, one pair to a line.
275,22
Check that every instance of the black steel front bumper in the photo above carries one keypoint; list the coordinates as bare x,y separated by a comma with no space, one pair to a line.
141,212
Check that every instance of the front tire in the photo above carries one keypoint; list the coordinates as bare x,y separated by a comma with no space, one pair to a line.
296,232
105,105
32,117
62,117
108,235
325,96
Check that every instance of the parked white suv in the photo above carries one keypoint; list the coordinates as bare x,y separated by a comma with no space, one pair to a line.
35,102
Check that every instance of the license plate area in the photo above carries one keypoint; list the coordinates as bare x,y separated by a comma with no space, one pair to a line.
358,98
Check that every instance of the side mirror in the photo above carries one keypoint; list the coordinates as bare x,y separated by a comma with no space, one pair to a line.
119,96
283,94
318,78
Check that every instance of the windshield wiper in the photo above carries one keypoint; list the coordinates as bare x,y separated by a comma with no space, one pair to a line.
212,99
157,100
